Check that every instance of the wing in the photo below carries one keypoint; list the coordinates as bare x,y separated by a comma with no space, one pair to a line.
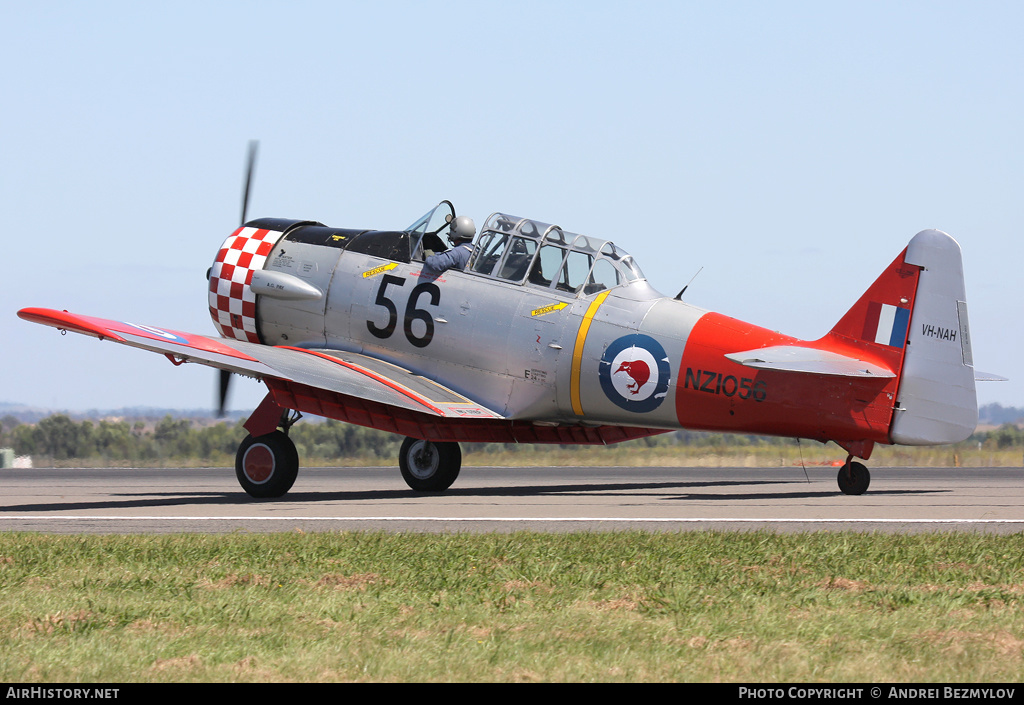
348,374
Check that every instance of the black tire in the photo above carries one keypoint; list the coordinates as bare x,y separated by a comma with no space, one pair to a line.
429,467
854,478
266,466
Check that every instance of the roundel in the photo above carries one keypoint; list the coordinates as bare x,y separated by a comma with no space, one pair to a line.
166,335
635,373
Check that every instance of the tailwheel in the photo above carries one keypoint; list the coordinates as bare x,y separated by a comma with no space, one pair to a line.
428,466
854,478
266,466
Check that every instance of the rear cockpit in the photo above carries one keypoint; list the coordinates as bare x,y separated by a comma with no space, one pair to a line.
524,251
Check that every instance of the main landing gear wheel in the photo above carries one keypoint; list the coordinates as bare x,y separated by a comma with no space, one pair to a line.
266,466
429,467
854,478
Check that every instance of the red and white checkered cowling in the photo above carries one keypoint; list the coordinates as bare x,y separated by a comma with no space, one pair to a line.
232,302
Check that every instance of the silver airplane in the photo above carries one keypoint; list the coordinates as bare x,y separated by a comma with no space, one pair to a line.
548,336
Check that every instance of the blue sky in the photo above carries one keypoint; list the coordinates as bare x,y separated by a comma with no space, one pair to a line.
791,149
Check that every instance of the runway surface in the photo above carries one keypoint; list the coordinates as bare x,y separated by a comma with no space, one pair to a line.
510,499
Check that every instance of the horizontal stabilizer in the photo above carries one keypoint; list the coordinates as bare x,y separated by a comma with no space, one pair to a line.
791,358
989,377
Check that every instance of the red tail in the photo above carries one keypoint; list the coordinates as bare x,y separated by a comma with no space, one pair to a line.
877,326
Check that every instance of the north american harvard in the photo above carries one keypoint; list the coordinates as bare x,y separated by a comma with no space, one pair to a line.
549,336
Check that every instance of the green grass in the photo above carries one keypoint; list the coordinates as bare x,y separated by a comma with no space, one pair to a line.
701,606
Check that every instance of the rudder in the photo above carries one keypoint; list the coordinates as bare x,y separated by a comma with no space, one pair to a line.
937,401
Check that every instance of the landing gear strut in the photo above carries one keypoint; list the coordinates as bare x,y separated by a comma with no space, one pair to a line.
853,477
266,466
428,466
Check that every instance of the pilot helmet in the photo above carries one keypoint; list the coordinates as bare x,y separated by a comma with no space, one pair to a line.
463,228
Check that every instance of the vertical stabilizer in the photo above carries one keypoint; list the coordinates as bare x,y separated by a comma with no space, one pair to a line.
936,402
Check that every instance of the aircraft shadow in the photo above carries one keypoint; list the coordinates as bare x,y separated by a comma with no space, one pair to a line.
678,491
817,494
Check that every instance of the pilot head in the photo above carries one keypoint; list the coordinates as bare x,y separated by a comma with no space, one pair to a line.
463,229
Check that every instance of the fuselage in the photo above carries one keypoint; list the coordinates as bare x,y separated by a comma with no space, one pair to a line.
543,326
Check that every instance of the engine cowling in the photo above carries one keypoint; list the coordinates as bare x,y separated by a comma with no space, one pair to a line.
270,280
232,300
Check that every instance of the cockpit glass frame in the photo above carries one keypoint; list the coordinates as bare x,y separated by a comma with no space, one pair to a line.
524,251
431,225
546,256
490,247
517,258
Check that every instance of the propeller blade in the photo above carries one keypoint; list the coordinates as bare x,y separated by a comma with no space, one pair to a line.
250,167
222,401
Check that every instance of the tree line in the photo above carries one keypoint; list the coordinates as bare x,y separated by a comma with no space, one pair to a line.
61,438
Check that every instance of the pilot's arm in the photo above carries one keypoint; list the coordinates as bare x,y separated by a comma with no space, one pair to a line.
455,258
462,232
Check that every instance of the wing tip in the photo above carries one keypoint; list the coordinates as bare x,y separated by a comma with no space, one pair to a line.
64,321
